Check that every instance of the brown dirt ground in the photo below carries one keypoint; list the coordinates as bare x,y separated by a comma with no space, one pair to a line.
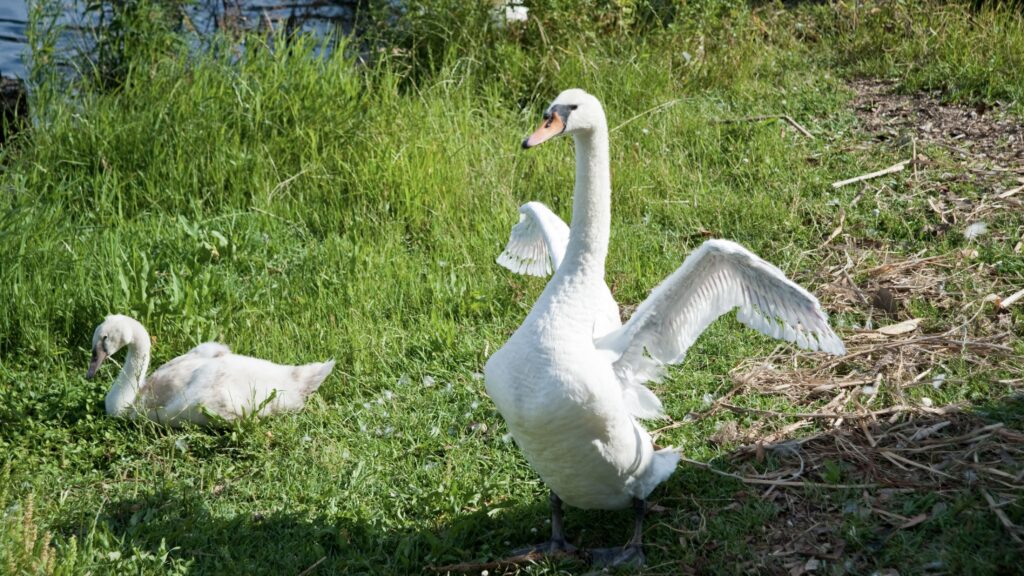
870,430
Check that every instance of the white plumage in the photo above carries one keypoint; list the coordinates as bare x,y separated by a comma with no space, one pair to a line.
572,393
537,243
207,380
715,279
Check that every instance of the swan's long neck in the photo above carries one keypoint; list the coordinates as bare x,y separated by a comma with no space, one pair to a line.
133,373
591,206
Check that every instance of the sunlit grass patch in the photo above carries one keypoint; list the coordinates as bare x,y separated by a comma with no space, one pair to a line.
298,206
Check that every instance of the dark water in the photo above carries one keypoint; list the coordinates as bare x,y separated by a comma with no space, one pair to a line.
204,16
13,18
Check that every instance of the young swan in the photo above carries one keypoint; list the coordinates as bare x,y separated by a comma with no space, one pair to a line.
208,379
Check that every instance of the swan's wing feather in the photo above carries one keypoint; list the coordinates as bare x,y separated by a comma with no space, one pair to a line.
167,383
178,368
717,277
209,350
537,243
638,399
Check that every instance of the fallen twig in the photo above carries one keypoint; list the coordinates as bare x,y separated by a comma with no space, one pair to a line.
840,385
896,459
894,266
941,339
789,119
1005,303
769,482
837,231
829,415
657,108
970,436
313,567
1012,191
1012,528
862,177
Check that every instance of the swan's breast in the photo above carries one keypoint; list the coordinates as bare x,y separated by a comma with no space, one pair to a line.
562,404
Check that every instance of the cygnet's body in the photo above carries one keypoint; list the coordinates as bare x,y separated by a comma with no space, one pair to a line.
203,386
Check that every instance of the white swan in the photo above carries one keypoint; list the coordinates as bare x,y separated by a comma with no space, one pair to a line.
572,394
206,380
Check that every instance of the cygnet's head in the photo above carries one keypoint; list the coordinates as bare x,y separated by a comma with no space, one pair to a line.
113,334
573,112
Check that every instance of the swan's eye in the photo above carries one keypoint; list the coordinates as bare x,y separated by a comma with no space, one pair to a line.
573,107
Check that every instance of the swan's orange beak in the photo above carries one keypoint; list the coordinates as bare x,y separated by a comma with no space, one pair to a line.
98,356
552,126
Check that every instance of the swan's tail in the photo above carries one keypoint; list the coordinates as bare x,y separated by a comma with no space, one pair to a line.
663,464
309,377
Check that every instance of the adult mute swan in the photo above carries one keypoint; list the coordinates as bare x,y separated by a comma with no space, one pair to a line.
570,382
208,379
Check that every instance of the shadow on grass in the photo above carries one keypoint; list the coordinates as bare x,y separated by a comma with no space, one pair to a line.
182,526
927,509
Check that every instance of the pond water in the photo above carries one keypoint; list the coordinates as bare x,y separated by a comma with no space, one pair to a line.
205,16
13,18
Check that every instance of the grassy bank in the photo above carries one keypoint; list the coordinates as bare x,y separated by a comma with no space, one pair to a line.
301,207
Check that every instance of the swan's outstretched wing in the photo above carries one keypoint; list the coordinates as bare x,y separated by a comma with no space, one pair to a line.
717,277
537,243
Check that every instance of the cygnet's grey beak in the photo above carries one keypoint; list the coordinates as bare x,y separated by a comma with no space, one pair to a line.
98,356
552,126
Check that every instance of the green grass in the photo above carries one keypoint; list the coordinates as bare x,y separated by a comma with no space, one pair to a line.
299,208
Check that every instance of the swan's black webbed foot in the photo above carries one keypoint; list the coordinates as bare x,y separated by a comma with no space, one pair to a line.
557,545
629,555
632,554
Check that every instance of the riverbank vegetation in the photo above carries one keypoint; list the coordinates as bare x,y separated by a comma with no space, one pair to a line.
299,203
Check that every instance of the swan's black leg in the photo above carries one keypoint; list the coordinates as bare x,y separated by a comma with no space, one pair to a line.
558,543
632,554
557,527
